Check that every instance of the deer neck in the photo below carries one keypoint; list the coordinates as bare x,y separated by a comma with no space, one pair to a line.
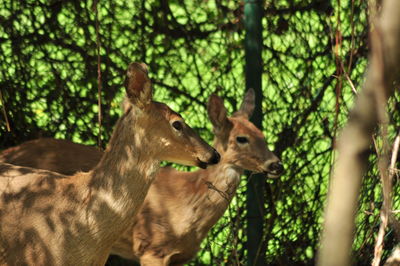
222,181
223,178
219,184
126,170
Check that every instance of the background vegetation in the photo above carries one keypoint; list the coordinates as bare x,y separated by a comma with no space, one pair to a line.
314,57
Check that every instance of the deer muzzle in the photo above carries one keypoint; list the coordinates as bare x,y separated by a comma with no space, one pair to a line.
214,159
274,169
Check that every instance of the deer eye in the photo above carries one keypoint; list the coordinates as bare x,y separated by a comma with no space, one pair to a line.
242,140
177,125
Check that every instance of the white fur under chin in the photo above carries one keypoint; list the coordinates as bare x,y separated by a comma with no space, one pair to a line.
232,173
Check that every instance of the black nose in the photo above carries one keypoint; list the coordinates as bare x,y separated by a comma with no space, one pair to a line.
215,158
276,168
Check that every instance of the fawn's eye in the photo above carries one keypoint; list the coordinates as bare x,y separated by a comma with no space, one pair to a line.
242,140
177,125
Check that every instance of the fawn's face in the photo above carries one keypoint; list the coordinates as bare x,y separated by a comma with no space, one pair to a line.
240,141
246,146
174,140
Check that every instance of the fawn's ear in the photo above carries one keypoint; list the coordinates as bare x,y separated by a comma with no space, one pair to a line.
138,85
218,116
248,104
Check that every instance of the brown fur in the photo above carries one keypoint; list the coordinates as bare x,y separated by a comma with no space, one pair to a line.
51,219
36,153
181,207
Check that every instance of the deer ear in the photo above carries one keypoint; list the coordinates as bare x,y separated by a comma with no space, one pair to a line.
218,116
138,85
247,107
217,111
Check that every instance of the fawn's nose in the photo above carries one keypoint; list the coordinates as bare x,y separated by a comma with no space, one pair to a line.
215,158
274,169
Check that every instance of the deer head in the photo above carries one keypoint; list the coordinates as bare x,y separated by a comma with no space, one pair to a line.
177,142
239,140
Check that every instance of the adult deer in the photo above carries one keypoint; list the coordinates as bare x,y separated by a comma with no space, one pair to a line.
180,207
52,219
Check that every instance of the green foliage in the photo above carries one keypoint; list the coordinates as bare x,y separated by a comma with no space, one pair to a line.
48,79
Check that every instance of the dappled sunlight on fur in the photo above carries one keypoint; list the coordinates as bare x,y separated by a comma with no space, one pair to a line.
52,219
181,207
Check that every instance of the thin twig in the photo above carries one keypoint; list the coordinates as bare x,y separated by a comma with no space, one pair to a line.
99,84
386,177
392,169
386,206
353,88
211,186
5,112
394,223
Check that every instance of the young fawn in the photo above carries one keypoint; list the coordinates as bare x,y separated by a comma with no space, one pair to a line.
52,219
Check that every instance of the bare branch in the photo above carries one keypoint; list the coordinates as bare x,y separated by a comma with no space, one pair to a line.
386,211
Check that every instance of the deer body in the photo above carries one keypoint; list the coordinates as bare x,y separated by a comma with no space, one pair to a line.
57,155
170,231
181,207
181,188
52,219
189,197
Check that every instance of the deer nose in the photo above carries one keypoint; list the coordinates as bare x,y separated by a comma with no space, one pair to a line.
276,168
215,158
